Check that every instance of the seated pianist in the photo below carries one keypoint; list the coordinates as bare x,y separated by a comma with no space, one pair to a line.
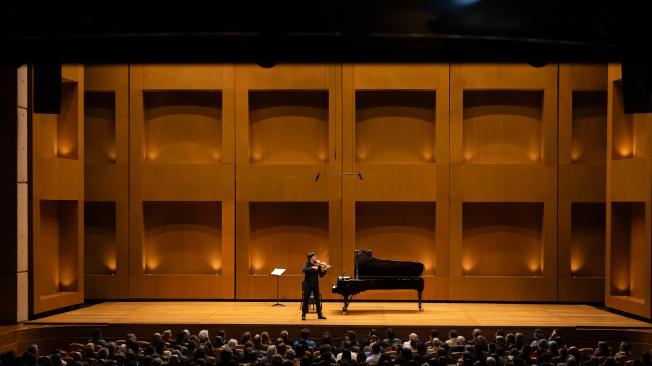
379,274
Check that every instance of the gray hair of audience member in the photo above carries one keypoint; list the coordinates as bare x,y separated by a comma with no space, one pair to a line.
491,361
271,350
186,332
203,336
233,343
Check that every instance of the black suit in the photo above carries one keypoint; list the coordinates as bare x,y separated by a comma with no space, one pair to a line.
311,285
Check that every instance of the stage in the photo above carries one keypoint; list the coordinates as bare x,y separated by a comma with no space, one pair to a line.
361,314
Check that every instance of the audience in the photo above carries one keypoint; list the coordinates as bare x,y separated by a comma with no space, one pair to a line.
505,349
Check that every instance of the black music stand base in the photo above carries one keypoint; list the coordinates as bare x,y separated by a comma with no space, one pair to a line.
277,281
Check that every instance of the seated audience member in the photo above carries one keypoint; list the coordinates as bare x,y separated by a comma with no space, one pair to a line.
158,343
285,336
167,336
345,357
218,342
519,339
412,338
405,356
267,356
372,337
538,334
461,342
258,342
232,344
350,337
290,355
474,336
97,338
624,352
346,347
421,349
434,334
265,339
374,357
304,335
360,358
390,339
246,336
203,336
277,360
326,338
452,338
602,350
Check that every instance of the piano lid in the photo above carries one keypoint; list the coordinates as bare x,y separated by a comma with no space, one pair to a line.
368,266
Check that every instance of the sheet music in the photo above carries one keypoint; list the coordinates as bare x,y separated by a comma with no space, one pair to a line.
277,271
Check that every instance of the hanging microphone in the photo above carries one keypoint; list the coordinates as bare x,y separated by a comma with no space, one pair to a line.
317,176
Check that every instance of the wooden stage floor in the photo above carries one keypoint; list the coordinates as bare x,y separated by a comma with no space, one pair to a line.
373,314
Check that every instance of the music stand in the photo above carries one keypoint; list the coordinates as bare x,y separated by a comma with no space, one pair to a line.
277,272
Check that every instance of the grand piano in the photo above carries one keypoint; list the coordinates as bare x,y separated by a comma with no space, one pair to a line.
379,274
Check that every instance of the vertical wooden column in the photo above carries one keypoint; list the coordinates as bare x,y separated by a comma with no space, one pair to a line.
106,181
628,254
57,199
582,179
395,144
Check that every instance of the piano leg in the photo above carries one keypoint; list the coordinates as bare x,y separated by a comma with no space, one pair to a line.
347,301
420,296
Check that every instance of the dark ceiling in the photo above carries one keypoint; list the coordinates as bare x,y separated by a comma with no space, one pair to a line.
268,32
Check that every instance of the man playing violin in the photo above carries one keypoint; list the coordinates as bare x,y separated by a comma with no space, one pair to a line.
313,268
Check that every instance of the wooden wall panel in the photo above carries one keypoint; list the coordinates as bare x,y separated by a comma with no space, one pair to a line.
520,100
398,230
288,136
582,178
181,143
395,151
57,196
628,250
106,181
502,239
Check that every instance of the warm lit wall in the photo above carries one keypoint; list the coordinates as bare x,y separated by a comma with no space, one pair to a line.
628,255
57,199
582,151
200,179
395,136
181,164
498,174
106,181
288,132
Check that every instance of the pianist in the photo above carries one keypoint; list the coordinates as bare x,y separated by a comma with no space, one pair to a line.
311,270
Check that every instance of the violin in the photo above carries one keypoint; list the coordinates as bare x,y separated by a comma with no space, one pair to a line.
323,265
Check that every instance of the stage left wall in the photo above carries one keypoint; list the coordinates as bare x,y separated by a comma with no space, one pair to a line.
14,192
